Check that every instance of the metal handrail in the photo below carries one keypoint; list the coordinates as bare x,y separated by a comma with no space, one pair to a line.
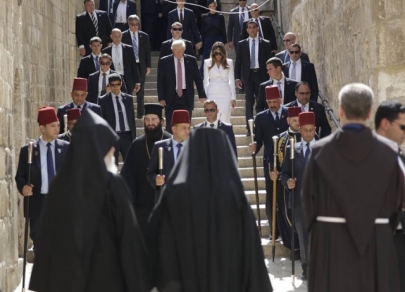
324,101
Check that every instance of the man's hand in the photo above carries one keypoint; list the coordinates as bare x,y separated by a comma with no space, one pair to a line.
137,88
162,103
230,44
27,190
252,147
274,51
160,180
291,183
82,52
147,71
238,83
202,100
198,45
274,175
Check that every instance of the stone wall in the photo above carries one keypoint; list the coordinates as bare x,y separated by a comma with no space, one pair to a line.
352,41
38,61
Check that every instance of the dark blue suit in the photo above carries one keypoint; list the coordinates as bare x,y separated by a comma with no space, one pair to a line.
37,200
227,128
289,93
265,129
62,111
168,161
323,128
190,30
308,74
131,9
92,82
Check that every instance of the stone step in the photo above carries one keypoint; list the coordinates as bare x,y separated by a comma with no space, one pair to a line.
248,162
249,183
153,93
262,209
154,99
247,172
280,249
251,197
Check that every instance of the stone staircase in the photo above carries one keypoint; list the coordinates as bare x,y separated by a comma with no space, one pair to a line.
245,161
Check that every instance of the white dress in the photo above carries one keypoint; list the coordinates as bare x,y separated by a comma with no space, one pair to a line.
219,85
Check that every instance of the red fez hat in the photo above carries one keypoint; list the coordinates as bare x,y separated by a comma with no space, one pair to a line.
180,117
294,111
79,84
272,92
307,118
73,114
47,115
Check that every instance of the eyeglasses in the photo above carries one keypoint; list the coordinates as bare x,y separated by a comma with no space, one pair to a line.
212,110
177,29
287,40
402,127
133,24
217,53
295,52
115,84
304,93
105,64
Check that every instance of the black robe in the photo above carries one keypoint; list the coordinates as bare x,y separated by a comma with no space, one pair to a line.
89,237
352,174
203,233
134,173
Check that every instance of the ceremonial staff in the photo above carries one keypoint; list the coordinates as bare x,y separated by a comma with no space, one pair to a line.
26,211
273,214
66,121
160,152
255,177
292,146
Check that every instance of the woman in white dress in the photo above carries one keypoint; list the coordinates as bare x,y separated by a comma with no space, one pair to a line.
219,81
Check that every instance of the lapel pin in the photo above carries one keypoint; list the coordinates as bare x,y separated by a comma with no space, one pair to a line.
36,153
282,116
59,150
169,149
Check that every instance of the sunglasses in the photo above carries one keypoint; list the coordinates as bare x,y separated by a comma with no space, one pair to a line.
287,40
105,64
402,127
177,29
115,84
294,52
134,24
213,110
304,93
217,53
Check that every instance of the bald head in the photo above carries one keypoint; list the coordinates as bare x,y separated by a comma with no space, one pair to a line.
289,39
116,36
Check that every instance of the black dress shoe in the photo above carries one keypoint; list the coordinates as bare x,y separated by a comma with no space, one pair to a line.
304,276
248,134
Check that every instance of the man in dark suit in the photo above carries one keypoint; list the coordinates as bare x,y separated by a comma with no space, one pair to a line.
149,16
124,61
300,70
89,24
269,123
108,6
47,156
250,68
302,151
141,49
285,85
172,148
118,110
186,17
78,94
211,113
238,16
176,76
177,31
122,9
303,92
72,115
98,81
266,30
288,40
90,63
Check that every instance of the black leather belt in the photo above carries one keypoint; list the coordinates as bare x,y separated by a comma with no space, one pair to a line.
123,132
255,70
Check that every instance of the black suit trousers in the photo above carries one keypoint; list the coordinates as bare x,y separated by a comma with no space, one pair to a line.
269,195
399,241
252,87
178,103
141,93
123,145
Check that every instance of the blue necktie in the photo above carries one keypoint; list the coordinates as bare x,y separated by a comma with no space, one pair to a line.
97,64
277,118
135,47
294,71
253,55
49,163
307,152
179,150
120,115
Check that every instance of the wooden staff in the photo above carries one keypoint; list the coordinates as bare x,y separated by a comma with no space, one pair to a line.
255,177
160,152
273,214
292,144
26,211
66,123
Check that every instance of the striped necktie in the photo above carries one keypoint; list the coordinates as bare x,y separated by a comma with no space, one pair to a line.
135,46
95,22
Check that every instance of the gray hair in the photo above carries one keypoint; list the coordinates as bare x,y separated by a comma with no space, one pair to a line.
356,100
177,44
133,17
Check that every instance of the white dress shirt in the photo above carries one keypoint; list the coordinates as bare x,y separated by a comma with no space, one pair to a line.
175,149
44,165
280,110
298,70
121,15
282,84
245,12
183,71
124,112
100,80
256,51
208,124
117,57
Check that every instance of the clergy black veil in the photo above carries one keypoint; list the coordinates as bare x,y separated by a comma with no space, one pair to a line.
203,233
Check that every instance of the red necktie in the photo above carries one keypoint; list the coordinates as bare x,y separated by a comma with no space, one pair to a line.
179,79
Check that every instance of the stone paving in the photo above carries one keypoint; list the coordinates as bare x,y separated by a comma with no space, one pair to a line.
279,272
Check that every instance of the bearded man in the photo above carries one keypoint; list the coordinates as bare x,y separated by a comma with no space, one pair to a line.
137,160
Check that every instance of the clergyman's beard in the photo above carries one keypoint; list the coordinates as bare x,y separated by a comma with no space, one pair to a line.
155,133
